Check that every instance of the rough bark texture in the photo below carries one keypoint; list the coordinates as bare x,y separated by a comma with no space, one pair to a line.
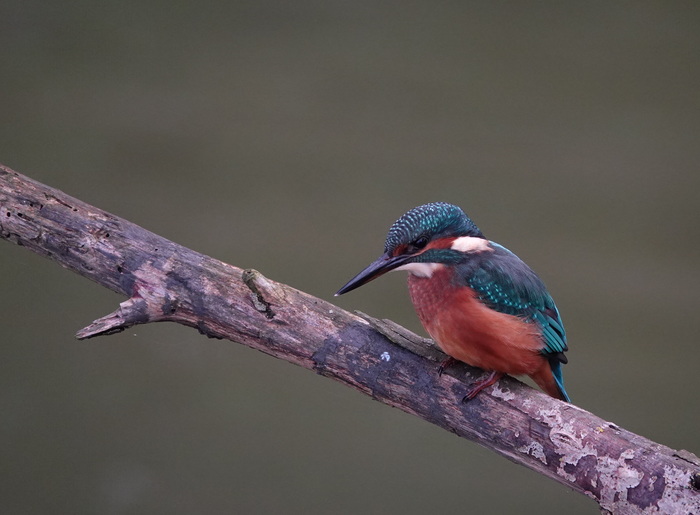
621,471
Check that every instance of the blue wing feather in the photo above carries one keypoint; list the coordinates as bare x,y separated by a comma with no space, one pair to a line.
506,284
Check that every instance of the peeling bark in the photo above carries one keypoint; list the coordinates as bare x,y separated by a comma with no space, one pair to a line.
163,281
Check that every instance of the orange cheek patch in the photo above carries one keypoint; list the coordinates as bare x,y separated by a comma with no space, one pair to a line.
401,249
442,243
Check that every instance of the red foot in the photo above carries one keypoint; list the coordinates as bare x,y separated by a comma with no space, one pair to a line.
445,364
481,384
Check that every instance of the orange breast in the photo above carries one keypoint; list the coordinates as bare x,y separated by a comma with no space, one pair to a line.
471,332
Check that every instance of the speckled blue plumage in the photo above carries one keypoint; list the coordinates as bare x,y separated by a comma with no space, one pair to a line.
435,220
505,283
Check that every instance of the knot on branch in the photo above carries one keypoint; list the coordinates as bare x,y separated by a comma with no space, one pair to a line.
264,293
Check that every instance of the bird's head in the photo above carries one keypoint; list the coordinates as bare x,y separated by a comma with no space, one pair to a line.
424,238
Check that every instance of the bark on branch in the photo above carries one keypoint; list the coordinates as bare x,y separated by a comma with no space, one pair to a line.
163,281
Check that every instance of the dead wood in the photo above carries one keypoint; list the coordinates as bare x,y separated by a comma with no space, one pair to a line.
163,281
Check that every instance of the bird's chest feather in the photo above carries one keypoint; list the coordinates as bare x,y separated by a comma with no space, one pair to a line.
470,331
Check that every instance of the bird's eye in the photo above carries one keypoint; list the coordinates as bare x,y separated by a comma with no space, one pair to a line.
420,243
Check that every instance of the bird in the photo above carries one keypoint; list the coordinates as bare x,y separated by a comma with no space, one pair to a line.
479,302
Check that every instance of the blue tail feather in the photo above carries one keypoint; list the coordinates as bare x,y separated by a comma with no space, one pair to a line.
556,372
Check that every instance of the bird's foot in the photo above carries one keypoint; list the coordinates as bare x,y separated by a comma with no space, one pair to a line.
481,384
446,364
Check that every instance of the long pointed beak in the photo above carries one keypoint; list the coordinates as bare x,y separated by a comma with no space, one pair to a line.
384,264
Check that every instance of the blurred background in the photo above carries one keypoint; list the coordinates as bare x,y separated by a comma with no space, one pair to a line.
288,136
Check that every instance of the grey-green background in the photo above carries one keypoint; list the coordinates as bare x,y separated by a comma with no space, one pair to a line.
288,136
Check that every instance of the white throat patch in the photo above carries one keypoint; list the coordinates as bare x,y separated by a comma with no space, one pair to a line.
471,244
420,269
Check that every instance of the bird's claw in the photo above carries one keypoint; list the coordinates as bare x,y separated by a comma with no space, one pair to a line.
482,384
445,365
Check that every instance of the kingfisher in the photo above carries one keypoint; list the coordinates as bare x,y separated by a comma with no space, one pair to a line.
480,302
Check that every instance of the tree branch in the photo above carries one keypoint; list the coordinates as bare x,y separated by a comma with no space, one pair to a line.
163,281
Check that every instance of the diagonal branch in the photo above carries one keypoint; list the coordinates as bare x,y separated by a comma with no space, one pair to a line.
164,281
